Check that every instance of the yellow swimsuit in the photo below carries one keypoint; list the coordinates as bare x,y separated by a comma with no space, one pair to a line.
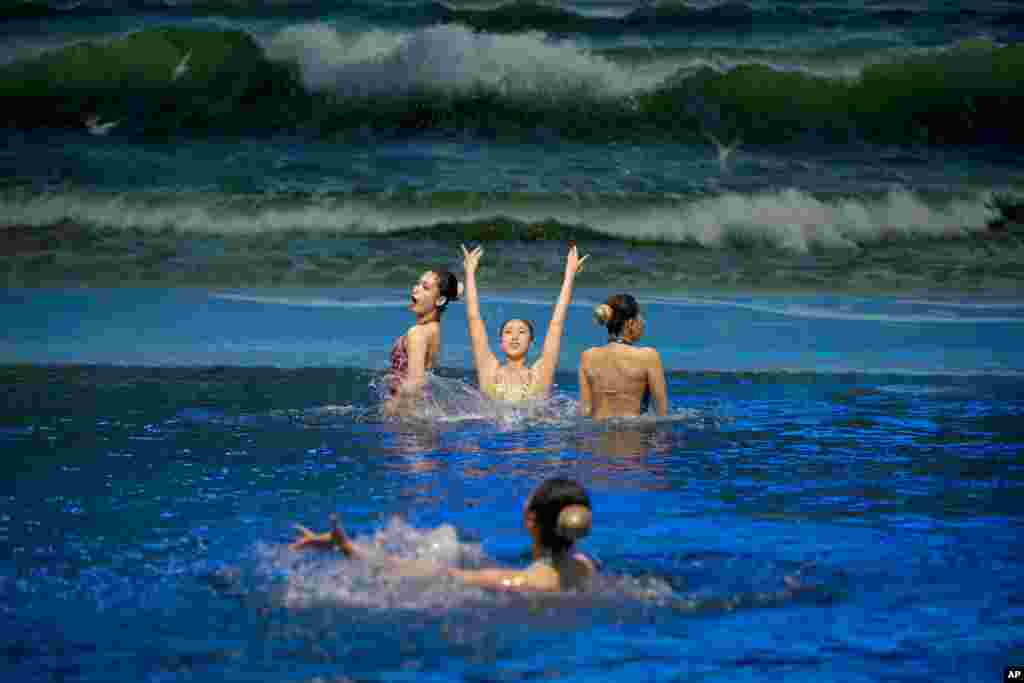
513,393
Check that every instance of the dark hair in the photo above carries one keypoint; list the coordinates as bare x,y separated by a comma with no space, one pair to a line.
616,311
547,501
448,285
529,326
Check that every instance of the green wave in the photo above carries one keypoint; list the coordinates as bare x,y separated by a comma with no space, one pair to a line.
229,85
971,94
974,93
70,254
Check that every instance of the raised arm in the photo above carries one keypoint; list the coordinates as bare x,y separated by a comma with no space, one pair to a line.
548,362
656,381
483,358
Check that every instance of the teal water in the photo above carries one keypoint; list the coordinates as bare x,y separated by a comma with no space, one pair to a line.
789,520
781,146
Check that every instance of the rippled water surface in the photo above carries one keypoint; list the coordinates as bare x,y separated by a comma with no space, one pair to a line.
779,525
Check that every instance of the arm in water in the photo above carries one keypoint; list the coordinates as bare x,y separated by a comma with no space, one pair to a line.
530,579
556,515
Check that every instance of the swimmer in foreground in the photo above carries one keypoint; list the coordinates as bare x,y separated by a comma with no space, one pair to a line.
556,515
414,353
617,378
515,380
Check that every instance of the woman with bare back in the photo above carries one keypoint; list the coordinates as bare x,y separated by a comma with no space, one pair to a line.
617,379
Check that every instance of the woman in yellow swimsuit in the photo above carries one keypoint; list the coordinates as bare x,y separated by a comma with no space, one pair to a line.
516,381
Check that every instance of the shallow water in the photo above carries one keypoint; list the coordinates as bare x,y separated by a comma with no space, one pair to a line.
780,525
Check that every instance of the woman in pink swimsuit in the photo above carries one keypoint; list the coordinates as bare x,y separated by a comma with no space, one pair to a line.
414,353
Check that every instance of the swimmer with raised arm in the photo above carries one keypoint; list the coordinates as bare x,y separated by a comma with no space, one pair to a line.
615,379
414,353
515,380
556,515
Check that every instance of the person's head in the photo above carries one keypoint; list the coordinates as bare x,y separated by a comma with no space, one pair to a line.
433,292
621,315
516,336
558,513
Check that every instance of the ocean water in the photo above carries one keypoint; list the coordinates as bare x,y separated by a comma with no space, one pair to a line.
212,213
835,492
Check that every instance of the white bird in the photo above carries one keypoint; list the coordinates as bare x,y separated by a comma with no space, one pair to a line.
97,128
724,151
182,67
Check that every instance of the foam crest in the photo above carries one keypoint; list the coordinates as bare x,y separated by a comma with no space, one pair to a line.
450,59
797,221
789,220
936,311
201,213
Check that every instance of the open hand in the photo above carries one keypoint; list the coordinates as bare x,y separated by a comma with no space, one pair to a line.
573,262
310,539
335,538
471,259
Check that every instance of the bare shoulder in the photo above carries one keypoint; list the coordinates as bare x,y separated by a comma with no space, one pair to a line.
542,578
649,353
422,332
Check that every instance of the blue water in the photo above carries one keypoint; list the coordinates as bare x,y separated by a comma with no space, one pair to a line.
835,492
211,214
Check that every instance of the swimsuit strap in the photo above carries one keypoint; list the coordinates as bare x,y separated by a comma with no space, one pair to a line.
502,389
620,340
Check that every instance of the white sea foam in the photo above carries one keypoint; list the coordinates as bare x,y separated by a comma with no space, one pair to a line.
310,302
937,314
823,312
452,59
788,219
364,583
972,305
797,221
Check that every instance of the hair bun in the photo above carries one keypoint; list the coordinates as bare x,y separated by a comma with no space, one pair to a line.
574,522
602,314
459,289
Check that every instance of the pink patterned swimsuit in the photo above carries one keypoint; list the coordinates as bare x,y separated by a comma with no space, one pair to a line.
399,364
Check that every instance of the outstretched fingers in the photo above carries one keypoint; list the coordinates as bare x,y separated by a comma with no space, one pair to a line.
574,262
471,258
306,537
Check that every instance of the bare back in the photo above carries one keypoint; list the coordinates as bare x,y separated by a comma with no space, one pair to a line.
615,378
